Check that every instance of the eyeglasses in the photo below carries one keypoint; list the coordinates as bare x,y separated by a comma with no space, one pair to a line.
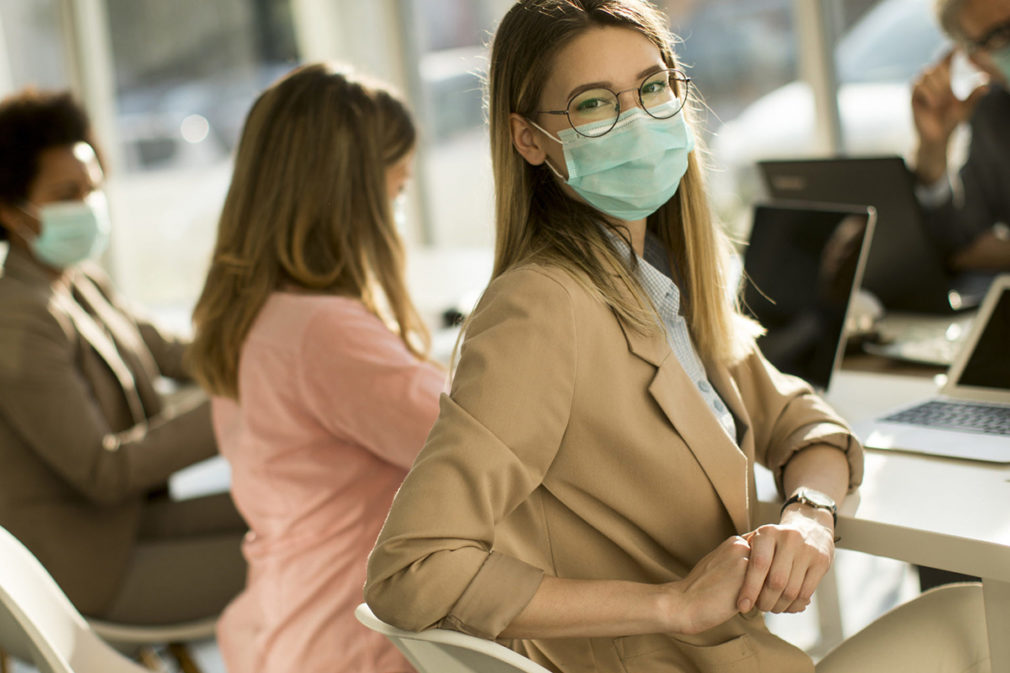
594,112
997,38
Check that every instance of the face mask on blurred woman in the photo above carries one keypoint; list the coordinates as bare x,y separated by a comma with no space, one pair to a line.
1002,60
71,231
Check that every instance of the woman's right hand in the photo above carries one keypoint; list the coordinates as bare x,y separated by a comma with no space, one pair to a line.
707,597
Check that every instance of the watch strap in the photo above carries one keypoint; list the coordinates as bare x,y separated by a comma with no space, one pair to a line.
800,497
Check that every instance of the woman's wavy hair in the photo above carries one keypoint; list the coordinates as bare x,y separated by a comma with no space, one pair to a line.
308,210
537,221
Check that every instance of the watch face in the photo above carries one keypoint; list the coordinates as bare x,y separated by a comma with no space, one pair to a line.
815,498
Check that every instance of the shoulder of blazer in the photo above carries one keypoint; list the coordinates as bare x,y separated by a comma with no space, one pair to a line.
29,309
530,275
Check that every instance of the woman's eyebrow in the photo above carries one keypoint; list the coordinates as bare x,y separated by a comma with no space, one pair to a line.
609,85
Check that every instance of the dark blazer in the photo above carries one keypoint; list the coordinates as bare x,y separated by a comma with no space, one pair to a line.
84,435
982,197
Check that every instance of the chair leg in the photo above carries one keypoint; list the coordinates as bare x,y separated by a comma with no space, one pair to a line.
151,660
5,665
182,655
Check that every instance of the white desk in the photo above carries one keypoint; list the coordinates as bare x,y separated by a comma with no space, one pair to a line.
936,512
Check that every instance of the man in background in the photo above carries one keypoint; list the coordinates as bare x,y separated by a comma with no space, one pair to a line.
968,215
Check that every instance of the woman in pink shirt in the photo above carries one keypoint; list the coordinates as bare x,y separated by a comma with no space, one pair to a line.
315,355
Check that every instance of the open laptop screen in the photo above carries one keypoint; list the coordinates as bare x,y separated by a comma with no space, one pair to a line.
803,264
989,363
904,270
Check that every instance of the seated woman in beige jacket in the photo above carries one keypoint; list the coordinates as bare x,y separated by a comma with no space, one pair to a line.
587,492
86,441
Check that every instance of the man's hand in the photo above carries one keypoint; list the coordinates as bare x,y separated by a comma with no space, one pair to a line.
937,112
788,561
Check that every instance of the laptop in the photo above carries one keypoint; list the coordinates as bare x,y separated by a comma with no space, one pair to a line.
803,266
971,417
904,271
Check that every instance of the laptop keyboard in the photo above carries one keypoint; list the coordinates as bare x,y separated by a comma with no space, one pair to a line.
964,416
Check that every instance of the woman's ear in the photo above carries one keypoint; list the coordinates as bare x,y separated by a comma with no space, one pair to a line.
526,140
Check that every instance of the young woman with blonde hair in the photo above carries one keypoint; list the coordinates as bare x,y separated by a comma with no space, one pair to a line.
587,491
315,355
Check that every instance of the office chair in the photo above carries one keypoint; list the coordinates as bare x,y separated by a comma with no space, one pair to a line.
442,651
39,624
174,635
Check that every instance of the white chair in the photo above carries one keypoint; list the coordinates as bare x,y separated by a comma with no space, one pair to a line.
175,636
442,651
39,624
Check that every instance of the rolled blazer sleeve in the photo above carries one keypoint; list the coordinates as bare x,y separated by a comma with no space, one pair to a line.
787,417
51,406
496,436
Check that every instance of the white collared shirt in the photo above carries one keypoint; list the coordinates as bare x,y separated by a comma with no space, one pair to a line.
656,279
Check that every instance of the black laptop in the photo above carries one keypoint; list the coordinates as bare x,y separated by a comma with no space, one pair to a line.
803,265
904,269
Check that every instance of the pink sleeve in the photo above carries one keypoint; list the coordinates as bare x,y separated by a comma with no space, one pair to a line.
363,385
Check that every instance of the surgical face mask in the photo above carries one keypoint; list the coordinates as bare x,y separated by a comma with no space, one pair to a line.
71,231
1002,60
631,171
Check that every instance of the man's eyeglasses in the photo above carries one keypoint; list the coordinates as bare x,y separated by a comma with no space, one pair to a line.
594,112
995,39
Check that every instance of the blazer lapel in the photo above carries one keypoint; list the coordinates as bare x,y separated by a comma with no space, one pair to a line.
129,343
724,384
104,346
19,265
723,462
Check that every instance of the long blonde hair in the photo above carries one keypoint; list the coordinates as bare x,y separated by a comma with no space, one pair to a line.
537,221
308,209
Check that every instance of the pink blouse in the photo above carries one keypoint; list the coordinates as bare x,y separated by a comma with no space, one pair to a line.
333,410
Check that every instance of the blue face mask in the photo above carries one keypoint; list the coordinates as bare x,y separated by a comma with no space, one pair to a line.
631,171
1002,60
71,231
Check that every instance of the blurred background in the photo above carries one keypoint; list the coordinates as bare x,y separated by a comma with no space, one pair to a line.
168,85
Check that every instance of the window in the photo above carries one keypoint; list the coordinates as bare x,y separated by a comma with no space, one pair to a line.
739,53
32,35
186,73
448,40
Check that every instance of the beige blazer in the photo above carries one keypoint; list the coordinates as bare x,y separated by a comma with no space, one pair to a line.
83,432
573,446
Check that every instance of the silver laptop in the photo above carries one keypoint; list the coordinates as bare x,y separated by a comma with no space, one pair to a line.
971,417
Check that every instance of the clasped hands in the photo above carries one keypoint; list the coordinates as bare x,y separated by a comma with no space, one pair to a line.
775,567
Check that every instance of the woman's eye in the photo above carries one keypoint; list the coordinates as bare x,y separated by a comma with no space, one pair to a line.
590,104
654,87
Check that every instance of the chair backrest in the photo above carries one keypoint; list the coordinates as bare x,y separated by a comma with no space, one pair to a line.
38,623
442,651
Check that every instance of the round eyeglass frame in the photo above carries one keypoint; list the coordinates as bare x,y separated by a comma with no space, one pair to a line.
995,39
675,75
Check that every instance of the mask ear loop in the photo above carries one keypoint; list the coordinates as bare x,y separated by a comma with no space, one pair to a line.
555,139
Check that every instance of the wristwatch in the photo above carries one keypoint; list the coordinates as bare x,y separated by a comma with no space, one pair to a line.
812,498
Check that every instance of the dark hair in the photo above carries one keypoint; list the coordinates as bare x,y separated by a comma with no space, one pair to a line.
31,122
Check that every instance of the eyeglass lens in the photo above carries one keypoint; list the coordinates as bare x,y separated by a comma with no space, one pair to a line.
595,111
995,39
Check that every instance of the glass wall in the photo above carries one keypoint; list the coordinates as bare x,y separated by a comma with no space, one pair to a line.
31,35
740,54
449,41
186,73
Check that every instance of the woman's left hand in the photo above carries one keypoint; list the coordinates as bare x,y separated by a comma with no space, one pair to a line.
787,561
